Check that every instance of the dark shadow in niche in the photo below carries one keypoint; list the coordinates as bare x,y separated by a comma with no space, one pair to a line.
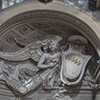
45,1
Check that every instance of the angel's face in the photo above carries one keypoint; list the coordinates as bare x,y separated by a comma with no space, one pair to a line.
53,45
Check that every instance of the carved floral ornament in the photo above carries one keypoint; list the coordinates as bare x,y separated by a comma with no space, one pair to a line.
55,68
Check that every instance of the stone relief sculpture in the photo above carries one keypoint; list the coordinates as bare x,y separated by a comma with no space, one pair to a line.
54,67
74,61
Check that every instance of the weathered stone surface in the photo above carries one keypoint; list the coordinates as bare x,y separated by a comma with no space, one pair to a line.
21,27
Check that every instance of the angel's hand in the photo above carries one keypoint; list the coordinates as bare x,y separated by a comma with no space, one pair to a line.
52,64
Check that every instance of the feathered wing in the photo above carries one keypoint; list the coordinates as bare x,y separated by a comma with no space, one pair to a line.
31,51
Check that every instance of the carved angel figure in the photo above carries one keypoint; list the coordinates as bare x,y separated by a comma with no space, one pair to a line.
48,60
51,62
55,67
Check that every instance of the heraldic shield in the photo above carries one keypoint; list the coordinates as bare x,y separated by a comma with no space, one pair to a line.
73,67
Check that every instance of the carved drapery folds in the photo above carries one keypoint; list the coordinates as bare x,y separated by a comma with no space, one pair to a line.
53,67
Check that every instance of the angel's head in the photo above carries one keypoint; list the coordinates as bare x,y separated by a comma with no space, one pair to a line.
51,42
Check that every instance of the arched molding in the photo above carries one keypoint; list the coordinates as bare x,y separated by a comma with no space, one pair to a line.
77,17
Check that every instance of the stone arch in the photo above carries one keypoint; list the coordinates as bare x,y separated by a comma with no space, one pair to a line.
82,22
74,18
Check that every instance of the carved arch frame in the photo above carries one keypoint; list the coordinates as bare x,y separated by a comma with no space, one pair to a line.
82,22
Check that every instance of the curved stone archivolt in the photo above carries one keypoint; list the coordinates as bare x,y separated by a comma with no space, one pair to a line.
31,21
83,21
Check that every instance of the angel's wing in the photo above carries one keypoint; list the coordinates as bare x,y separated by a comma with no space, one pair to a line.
31,51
